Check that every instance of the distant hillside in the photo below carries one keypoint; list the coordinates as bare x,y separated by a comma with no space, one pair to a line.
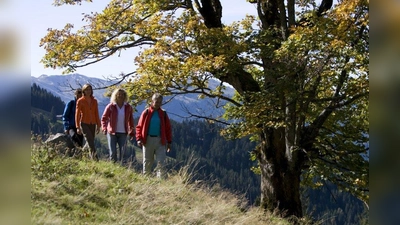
37,112
62,85
44,110
42,98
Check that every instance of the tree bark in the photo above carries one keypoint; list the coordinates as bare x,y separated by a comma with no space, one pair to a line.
280,177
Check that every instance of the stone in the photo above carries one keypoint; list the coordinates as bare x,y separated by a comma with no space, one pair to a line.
62,141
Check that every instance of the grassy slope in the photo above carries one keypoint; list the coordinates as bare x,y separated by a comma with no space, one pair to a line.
37,111
79,191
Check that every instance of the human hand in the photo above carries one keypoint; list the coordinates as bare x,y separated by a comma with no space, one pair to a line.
78,130
139,143
168,147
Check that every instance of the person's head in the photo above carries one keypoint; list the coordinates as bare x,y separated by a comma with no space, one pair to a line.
156,101
119,94
87,90
78,93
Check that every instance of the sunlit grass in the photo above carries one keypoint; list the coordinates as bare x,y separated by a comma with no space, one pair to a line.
66,190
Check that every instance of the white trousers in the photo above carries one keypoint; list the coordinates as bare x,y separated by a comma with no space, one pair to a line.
153,149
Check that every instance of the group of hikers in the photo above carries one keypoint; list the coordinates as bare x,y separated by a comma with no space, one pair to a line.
153,132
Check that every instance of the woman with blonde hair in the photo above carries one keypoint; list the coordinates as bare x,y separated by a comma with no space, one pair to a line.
87,118
117,123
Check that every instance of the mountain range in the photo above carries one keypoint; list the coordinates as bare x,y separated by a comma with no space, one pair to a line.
177,108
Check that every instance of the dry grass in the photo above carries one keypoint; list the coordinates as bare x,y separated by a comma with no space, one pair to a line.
79,191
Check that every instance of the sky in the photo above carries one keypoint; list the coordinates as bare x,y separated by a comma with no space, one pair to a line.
47,16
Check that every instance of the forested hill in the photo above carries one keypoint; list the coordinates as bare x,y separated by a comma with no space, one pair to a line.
45,100
44,110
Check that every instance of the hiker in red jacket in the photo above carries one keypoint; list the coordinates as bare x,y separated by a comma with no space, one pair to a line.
154,135
117,123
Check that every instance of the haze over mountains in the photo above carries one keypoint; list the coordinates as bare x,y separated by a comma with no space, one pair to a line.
62,85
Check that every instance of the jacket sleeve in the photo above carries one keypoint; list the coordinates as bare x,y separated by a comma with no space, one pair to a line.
97,115
131,124
140,126
67,115
78,114
105,118
168,129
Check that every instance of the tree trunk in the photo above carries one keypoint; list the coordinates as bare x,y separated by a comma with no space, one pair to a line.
280,178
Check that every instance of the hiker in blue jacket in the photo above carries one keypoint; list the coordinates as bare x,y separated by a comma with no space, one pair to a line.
68,118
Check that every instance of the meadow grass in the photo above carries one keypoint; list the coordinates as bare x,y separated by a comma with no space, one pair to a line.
68,190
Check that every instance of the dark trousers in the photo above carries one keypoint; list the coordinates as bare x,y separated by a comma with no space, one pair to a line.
88,131
76,138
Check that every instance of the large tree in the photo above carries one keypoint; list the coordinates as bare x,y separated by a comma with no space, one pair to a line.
299,68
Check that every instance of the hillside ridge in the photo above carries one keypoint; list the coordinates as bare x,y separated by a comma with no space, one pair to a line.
62,85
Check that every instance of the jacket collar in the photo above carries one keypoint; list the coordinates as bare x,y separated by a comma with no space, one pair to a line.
115,104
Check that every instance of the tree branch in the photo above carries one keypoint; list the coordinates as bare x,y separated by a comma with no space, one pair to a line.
283,22
110,52
211,11
291,13
325,6
208,118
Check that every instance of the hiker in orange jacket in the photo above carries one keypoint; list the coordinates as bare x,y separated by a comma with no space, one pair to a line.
154,135
87,118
